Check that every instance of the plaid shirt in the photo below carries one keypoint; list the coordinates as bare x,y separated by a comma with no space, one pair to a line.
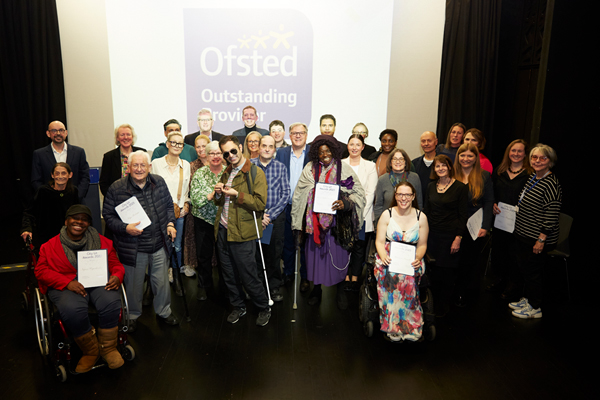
278,186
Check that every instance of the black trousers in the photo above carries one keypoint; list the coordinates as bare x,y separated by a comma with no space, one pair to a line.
238,265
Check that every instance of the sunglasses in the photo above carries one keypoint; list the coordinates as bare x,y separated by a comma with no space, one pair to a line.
233,151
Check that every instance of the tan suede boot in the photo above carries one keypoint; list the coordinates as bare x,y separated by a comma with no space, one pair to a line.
89,346
108,347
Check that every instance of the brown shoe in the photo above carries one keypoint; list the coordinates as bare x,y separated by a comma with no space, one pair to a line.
89,346
108,347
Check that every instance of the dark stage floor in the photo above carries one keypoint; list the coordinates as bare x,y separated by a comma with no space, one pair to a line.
480,352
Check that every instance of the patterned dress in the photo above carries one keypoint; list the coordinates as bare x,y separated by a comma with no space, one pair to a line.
400,311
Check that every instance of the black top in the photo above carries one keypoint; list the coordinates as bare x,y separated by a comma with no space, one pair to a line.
486,201
447,212
507,190
46,216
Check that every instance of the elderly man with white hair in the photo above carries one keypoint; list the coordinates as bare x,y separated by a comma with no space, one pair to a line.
148,247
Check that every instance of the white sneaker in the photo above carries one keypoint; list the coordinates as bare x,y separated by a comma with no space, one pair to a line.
528,312
517,305
170,275
189,271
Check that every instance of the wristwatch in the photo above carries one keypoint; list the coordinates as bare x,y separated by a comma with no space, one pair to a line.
541,240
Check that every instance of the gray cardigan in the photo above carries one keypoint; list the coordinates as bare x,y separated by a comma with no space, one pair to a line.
384,193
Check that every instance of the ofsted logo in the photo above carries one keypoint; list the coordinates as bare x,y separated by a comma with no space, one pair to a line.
236,58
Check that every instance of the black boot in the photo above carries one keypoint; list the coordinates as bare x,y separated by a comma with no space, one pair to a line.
315,295
342,299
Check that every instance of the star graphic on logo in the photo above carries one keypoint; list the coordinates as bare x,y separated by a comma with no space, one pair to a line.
281,38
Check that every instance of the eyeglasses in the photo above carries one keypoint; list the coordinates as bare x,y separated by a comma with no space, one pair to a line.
227,153
53,131
176,144
404,196
540,158
359,133
214,154
297,133
253,141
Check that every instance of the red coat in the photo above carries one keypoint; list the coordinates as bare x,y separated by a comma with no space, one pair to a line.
54,270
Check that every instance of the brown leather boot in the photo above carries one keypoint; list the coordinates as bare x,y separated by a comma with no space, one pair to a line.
89,346
108,347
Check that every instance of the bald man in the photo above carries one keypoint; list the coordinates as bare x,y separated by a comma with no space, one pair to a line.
58,151
424,163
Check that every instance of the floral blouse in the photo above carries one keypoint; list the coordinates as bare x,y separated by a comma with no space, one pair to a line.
203,183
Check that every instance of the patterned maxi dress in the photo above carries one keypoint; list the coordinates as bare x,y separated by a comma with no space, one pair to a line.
400,310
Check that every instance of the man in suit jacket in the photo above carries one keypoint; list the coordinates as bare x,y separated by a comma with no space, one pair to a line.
58,151
205,123
250,117
295,158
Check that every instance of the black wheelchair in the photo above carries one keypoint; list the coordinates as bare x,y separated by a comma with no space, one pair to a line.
56,344
368,302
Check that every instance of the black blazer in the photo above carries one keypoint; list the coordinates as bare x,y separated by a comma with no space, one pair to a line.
43,161
191,138
111,168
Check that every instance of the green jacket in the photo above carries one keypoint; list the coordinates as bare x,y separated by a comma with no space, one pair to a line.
241,227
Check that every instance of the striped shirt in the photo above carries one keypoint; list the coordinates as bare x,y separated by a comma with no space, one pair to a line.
539,209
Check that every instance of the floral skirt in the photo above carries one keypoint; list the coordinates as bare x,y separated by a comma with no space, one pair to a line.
400,311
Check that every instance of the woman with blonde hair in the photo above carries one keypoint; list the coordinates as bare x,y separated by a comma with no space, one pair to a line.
252,145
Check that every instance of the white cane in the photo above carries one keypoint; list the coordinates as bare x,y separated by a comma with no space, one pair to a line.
295,306
263,259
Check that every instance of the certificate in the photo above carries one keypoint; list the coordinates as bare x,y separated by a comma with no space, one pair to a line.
325,195
474,223
402,256
92,268
506,219
131,211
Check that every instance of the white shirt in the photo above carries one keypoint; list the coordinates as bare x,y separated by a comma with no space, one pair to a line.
160,167
59,157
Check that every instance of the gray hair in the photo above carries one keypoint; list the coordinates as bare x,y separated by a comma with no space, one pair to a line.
295,124
205,111
545,150
139,153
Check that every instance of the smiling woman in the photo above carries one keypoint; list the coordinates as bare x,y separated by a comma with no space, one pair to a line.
328,253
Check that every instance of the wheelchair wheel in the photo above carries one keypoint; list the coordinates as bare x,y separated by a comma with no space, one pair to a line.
61,373
128,353
42,322
430,333
368,328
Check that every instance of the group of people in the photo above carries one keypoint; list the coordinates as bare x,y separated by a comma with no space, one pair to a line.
245,202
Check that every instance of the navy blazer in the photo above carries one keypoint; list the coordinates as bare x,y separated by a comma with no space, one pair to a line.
191,138
43,161
284,154
111,168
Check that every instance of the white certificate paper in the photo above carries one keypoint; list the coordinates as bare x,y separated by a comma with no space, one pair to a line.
131,211
92,268
402,256
506,219
325,195
474,223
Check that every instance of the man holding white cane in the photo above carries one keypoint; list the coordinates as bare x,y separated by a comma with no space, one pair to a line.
241,195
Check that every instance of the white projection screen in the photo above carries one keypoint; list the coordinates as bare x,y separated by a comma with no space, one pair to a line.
144,62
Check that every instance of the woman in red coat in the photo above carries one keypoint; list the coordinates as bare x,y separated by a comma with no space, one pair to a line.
56,272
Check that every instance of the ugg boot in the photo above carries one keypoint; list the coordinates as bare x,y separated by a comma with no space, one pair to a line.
89,346
108,347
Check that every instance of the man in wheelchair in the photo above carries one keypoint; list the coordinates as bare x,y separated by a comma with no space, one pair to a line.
56,272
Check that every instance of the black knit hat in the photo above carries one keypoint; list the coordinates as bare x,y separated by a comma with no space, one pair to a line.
78,209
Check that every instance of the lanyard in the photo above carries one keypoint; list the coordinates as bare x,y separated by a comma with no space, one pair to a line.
532,186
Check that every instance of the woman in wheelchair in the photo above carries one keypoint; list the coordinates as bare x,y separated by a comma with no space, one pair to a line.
56,272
